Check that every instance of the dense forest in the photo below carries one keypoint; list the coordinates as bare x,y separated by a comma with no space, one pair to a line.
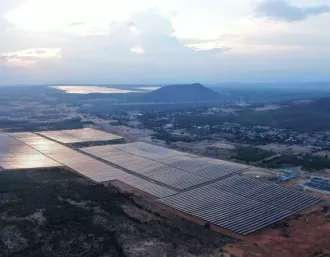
304,117
308,162
251,154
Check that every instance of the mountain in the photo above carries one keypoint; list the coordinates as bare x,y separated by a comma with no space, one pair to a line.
182,93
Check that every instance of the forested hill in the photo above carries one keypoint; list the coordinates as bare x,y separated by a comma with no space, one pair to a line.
183,93
304,117
301,117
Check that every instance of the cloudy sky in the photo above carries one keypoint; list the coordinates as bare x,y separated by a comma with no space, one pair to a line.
163,41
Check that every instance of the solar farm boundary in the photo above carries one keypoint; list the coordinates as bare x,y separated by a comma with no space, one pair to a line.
110,164
247,230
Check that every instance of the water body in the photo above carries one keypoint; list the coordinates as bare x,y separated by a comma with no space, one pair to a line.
84,90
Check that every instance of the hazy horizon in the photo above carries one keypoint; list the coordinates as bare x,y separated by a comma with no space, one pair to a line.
151,85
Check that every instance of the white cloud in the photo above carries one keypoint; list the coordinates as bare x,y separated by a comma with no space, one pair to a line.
158,41
92,17
283,10
29,56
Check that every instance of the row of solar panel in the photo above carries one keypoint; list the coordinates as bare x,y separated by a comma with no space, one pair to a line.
205,167
150,169
14,154
150,151
323,186
239,204
267,193
79,135
168,156
148,187
82,164
180,172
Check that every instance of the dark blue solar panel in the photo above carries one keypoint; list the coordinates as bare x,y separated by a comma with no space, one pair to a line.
318,185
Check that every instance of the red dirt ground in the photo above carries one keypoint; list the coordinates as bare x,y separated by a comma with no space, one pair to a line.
307,236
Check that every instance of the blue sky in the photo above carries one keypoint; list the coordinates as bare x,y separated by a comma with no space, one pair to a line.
163,41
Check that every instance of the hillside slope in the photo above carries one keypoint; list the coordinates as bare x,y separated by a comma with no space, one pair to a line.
182,93
313,116
310,117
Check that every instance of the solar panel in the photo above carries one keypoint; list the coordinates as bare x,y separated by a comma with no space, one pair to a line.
15,154
28,144
79,135
170,167
147,186
266,193
240,204
319,185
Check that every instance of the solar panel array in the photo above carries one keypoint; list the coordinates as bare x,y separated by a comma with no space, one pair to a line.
85,165
319,185
150,151
240,204
16,155
79,135
146,186
235,203
173,168
188,162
